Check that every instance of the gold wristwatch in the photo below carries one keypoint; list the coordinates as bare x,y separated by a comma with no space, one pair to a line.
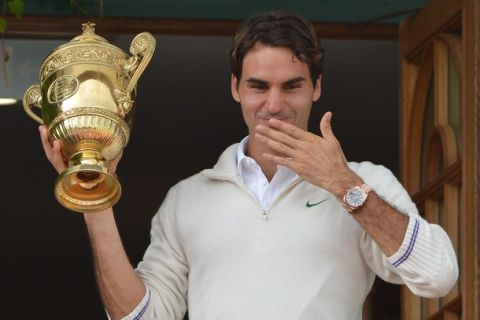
356,197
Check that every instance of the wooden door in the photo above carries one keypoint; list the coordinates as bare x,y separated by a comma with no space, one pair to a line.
439,161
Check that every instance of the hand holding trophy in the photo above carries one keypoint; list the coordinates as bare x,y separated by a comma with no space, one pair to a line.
86,95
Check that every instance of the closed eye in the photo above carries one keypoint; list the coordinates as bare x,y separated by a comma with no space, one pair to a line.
257,84
292,86
294,83
258,87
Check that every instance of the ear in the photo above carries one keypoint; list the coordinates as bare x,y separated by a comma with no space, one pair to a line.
234,88
317,91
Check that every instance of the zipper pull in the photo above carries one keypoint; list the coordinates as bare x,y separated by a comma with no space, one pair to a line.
264,216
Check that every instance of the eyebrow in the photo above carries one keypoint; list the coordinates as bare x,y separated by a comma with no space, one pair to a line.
253,80
294,80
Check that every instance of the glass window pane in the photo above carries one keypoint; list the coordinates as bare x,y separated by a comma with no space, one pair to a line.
454,105
441,212
428,126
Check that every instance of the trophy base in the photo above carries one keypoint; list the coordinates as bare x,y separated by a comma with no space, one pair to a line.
87,188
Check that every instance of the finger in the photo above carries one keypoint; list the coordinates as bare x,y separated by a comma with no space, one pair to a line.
327,132
276,135
57,157
288,129
326,126
47,146
276,146
284,161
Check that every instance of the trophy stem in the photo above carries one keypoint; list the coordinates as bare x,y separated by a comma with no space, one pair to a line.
87,186
88,180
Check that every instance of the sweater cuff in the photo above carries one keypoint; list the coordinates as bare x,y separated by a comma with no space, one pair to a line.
408,244
418,251
139,311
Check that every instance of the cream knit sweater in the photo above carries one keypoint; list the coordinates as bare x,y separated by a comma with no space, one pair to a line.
211,250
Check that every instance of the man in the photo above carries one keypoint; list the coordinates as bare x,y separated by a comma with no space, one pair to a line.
282,227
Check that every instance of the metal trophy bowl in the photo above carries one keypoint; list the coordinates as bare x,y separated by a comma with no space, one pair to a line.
86,96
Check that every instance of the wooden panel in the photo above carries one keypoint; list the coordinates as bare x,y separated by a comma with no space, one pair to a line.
450,310
452,175
428,22
452,28
409,75
454,44
440,61
451,222
48,27
441,149
415,123
449,144
410,304
52,27
432,215
471,171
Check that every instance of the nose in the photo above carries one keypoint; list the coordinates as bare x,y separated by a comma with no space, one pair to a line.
275,101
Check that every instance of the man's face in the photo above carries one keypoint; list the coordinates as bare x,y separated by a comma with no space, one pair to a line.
274,84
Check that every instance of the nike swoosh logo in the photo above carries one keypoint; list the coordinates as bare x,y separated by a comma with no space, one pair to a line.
309,205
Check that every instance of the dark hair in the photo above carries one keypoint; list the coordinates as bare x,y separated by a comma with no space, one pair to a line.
278,29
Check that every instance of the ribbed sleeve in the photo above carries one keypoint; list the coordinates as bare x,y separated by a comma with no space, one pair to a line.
139,311
425,260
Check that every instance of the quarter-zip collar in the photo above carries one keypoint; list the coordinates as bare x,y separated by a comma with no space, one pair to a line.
266,192
227,169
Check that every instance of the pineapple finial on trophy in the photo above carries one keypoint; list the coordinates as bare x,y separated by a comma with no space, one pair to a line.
88,28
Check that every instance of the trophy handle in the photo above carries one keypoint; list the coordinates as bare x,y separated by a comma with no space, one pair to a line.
33,98
142,48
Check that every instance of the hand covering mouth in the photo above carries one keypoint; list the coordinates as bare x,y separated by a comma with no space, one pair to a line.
281,117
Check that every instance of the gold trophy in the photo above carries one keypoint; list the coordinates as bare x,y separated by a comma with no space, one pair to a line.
86,96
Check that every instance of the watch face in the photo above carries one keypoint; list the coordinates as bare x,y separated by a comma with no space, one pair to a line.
355,197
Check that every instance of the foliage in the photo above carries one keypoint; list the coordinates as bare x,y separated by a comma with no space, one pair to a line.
3,24
15,7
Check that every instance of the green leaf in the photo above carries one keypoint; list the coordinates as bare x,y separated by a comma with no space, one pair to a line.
3,25
16,7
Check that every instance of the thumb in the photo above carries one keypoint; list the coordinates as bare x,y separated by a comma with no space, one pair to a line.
326,126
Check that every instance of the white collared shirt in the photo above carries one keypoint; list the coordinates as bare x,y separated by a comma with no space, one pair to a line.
254,179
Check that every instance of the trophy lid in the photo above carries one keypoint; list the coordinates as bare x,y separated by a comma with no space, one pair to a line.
87,48
88,34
